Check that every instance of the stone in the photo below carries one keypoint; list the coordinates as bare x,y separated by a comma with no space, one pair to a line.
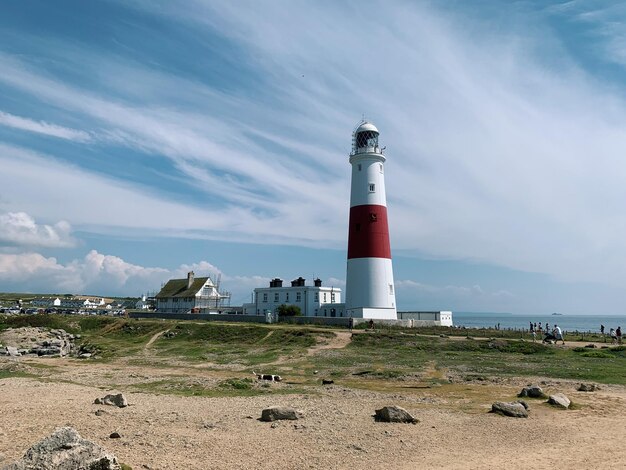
588,388
100,412
559,400
115,435
394,414
591,346
274,413
514,410
327,382
12,351
524,404
66,450
118,400
532,391
84,356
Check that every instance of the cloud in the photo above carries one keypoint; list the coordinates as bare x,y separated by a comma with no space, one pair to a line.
424,296
502,147
20,229
42,127
95,274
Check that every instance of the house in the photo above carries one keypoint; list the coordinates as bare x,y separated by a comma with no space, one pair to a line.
313,301
46,302
193,294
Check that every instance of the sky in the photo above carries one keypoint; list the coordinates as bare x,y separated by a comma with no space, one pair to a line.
141,139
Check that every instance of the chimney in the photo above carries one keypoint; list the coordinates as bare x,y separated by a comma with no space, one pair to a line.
318,282
189,279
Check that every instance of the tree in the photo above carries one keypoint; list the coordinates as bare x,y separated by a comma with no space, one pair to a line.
288,311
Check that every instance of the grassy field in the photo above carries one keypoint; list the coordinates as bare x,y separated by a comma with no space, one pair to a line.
377,359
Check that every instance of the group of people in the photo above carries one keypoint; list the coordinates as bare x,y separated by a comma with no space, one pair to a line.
556,334
615,334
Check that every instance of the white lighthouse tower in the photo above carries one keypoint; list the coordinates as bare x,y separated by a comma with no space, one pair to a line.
370,291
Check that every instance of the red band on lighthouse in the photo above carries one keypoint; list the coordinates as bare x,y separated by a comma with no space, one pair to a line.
368,235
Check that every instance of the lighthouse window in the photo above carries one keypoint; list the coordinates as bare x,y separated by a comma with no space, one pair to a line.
372,187
380,167
359,165
390,289
357,227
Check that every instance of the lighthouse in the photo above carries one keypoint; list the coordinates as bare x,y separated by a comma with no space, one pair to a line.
370,291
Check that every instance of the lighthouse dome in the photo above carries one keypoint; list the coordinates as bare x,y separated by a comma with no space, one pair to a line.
366,126
365,139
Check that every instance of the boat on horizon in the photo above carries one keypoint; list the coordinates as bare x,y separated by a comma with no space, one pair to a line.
557,313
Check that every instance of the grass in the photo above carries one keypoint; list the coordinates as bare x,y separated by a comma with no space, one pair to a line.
380,358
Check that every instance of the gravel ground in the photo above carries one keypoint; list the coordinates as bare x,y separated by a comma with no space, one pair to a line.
336,430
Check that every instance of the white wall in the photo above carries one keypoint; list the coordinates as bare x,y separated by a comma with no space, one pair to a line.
310,300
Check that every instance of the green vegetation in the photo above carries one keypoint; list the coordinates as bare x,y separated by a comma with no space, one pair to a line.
288,311
384,358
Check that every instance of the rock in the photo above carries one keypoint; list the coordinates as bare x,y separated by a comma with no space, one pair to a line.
65,450
533,391
514,410
560,400
394,414
12,351
524,404
327,382
591,346
84,356
587,388
115,435
100,412
118,400
274,413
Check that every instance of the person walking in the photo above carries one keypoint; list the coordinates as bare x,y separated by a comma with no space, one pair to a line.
351,323
602,332
618,334
613,336
558,334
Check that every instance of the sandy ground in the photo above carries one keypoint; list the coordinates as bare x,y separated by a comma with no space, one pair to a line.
336,430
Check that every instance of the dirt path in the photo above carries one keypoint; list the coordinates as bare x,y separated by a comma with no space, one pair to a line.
153,339
339,341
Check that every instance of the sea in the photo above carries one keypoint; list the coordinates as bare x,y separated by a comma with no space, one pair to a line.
514,321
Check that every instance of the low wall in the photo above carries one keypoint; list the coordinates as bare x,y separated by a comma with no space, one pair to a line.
199,316
325,321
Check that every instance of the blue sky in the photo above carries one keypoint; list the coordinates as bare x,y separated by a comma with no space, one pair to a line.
141,139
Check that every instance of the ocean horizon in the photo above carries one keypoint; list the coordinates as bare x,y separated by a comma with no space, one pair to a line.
518,321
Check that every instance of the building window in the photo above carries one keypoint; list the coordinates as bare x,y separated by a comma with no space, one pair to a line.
276,299
372,188
324,297
286,296
390,289
317,296
298,296
265,297
332,297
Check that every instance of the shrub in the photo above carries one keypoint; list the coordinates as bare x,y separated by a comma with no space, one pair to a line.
289,311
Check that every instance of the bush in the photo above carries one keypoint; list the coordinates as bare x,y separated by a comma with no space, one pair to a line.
289,311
